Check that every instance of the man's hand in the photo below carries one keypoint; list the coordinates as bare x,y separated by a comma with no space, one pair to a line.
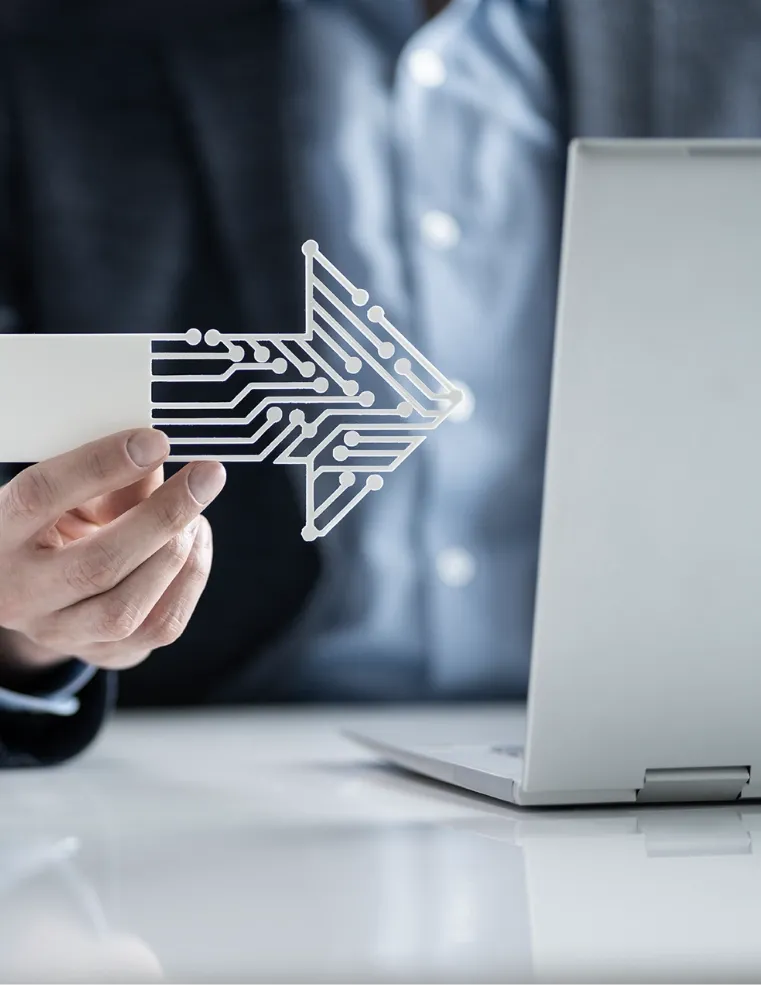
99,557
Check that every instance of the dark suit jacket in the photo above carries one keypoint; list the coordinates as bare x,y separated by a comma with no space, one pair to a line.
142,187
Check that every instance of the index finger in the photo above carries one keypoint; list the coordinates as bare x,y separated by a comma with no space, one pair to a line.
37,497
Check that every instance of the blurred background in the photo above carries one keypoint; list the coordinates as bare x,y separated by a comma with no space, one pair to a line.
162,162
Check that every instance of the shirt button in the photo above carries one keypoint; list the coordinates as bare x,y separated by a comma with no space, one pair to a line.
463,410
440,230
427,68
456,567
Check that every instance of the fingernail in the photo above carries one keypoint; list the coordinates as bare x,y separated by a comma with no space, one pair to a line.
205,481
147,447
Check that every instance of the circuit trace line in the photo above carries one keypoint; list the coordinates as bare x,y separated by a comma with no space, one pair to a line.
350,399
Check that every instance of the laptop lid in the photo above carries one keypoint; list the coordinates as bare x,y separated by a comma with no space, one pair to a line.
647,636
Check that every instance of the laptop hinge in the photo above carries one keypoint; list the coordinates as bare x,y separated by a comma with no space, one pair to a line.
720,783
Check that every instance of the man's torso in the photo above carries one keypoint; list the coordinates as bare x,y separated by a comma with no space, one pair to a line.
137,188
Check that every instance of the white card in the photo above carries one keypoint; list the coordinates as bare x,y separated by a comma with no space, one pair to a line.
61,391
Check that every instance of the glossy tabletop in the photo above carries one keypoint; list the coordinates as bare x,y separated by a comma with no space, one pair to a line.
261,845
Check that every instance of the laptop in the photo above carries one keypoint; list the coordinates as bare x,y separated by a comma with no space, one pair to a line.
645,681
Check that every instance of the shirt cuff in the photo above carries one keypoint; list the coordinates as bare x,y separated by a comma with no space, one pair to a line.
61,701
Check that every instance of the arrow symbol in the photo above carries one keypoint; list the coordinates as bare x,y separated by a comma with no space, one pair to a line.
349,398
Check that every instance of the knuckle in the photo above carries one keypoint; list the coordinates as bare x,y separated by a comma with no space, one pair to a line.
118,619
31,493
171,512
95,569
197,567
177,549
98,464
169,626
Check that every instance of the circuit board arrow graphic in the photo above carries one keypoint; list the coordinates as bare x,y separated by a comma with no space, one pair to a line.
349,398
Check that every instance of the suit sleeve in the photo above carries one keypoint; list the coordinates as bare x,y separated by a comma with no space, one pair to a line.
34,739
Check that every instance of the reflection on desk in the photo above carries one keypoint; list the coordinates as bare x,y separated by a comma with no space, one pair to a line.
262,845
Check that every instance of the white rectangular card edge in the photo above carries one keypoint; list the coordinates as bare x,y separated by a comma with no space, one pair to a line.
61,391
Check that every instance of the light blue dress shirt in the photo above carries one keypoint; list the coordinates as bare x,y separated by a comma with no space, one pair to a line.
428,163
62,701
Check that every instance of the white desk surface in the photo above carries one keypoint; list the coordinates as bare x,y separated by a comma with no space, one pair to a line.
261,845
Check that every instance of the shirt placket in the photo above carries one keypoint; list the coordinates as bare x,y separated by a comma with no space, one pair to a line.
477,551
